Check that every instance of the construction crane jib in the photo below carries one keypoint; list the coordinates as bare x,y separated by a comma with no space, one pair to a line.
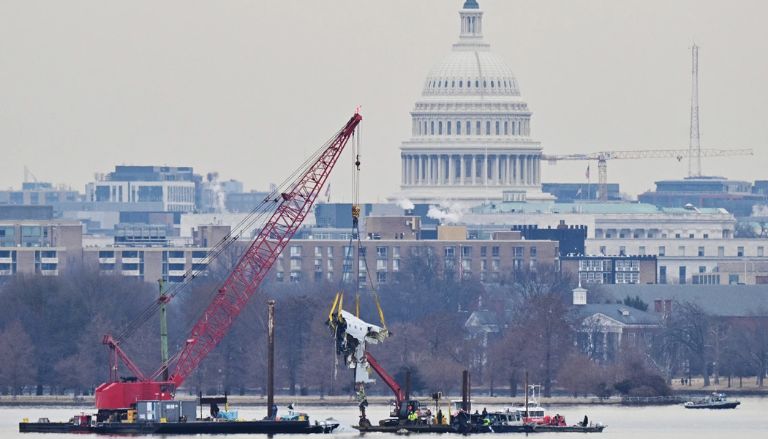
602,158
233,294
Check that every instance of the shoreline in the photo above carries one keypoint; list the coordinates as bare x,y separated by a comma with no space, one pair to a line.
346,400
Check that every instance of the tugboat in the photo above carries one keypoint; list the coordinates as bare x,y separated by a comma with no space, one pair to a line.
714,401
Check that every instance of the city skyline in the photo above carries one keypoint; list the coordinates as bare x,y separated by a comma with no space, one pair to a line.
221,89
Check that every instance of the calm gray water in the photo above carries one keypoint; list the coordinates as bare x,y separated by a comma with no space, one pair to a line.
750,420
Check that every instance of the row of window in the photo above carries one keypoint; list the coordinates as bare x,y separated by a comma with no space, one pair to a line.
650,234
432,128
437,84
681,251
177,254
382,252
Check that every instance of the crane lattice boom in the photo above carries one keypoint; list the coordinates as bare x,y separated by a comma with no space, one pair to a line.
602,158
236,290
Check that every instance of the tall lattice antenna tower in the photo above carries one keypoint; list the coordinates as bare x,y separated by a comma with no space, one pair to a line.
694,145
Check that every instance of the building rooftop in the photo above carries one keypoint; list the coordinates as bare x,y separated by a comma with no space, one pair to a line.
588,207
718,300
619,312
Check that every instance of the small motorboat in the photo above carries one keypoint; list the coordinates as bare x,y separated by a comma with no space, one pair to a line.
714,401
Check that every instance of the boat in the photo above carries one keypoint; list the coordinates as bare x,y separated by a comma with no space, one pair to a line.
577,428
534,416
714,401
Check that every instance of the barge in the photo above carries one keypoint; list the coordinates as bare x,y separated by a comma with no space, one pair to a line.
178,417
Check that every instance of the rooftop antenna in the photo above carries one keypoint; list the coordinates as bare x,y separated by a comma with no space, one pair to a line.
694,145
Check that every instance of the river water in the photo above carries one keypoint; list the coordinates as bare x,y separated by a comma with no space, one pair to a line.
749,420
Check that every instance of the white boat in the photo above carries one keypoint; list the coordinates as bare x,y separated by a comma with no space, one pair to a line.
714,401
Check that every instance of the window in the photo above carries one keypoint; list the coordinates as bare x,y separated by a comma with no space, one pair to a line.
396,252
381,277
495,265
681,276
469,126
622,250
506,127
396,265
602,250
381,265
721,251
295,251
760,252
662,250
701,251
381,252
702,269
432,128
641,250
448,127
488,128
329,252
733,279
495,251
477,128
458,128
440,128
466,251
483,251
662,274
318,252
361,252
690,236
740,252
533,252
498,129
450,252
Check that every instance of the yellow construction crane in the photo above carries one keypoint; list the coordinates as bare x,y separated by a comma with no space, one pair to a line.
602,158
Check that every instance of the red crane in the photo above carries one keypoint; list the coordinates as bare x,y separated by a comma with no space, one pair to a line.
233,294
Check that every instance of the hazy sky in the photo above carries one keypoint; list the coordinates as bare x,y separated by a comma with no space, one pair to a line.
250,88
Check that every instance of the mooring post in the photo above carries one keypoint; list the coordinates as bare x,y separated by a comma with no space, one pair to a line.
271,359
465,391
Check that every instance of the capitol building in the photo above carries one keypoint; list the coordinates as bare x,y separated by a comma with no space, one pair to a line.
471,138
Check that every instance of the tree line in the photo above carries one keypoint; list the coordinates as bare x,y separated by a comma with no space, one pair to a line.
51,330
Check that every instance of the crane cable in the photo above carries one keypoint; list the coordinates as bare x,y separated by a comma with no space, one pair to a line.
349,256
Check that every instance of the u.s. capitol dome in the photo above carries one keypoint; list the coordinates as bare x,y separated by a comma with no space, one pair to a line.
470,139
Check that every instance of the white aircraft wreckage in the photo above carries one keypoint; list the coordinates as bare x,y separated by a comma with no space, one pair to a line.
352,338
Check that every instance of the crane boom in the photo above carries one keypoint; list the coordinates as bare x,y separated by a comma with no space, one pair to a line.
388,379
648,154
253,266
241,283
602,158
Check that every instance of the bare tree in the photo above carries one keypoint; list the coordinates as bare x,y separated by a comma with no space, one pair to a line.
689,328
16,357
